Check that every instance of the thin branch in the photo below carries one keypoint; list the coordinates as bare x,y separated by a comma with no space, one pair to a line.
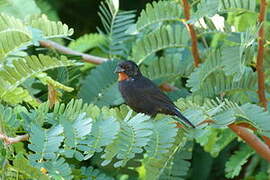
85,57
194,43
89,58
249,126
13,140
252,140
260,58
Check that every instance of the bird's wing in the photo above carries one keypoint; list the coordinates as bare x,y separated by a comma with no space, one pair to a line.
151,91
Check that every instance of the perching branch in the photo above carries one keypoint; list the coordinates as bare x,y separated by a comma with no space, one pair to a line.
85,57
259,66
194,43
252,140
89,58
13,140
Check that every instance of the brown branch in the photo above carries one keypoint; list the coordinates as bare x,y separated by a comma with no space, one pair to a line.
13,140
194,43
89,58
266,140
252,140
259,66
85,57
249,126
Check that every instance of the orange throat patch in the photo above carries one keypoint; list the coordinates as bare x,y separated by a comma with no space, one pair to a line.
122,76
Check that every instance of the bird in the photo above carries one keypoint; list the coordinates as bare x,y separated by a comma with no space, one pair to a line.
142,95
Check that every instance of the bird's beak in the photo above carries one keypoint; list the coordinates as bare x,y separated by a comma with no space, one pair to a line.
118,69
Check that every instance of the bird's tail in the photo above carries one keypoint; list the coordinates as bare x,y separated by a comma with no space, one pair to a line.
182,117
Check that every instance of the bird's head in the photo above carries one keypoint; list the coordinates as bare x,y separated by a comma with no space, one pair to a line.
127,69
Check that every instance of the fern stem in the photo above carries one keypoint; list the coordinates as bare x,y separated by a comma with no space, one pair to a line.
252,140
194,43
85,57
260,58
13,140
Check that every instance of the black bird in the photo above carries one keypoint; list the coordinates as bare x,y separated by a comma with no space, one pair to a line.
142,95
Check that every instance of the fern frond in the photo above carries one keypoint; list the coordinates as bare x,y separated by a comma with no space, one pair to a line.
160,147
248,5
215,140
13,34
19,8
179,166
134,135
91,173
258,117
198,77
75,131
237,160
158,12
100,86
104,131
166,68
44,143
21,69
87,42
21,164
115,23
58,168
207,8
8,120
16,34
47,80
164,37
218,83
19,95
49,29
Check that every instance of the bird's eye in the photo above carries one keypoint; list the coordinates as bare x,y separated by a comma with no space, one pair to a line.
127,67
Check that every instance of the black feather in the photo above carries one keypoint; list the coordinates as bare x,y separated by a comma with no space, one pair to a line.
143,96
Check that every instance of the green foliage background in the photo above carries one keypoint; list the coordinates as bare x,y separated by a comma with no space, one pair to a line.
77,123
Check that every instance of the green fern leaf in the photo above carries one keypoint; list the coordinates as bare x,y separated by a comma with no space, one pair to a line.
116,24
17,34
45,143
47,80
218,83
49,29
198,77
100,86
257,116
22,165
20,95
208,8
179,166
237,160
160,147
21,69
58,169
87,42
100,135
248,5
89,173
134,135
158,12
19,8
75,132
166,68
13,34
215,140
164,37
